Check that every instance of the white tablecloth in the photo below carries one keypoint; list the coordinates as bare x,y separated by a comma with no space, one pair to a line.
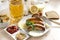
54,33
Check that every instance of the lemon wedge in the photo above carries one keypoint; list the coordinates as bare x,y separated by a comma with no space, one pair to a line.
34,9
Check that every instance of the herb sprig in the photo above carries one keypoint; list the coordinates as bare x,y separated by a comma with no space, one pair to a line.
29,23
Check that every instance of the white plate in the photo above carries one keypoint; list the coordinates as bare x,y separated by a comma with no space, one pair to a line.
31,33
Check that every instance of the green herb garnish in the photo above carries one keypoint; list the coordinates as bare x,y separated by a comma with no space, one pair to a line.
29,23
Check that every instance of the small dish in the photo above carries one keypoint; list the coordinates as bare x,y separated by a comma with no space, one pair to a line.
12,29
26,36
15,33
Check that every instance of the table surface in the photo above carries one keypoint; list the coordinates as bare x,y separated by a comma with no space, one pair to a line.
54,33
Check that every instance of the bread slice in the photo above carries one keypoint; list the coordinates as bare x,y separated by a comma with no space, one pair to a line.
52,15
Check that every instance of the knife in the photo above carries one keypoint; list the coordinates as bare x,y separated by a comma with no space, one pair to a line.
46,20
49,21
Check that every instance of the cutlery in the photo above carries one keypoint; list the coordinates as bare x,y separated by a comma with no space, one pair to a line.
48,21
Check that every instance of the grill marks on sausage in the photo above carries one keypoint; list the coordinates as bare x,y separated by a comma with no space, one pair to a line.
38,24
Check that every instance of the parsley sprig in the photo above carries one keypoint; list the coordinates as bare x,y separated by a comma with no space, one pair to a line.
29,23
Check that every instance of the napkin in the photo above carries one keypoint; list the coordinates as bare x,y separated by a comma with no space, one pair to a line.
52,15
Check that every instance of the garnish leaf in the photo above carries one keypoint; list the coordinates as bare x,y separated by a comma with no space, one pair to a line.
29,23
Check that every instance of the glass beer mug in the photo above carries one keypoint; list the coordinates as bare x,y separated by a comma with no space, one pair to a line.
16,10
